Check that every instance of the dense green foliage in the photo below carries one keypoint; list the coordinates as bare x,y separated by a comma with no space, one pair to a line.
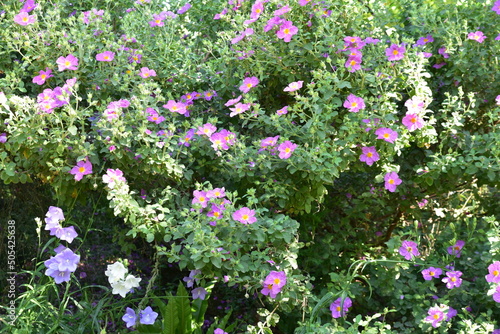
329,215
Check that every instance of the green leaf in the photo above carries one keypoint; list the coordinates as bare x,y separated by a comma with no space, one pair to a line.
170,318
184,310
73,130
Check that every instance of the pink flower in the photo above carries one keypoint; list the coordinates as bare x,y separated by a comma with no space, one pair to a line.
431,273
497,99
83,167
415,104
369,155
184,8
219,141
69,62
409,249
457,248
442,52
304,2
294,86
177,107
412,122
186,139
249,83
435,317
286,31
354,42
494,273
157,20
354,103
496,7
233,101
453,279
105,56
146,73
353,64
245,216
387,134
200,197
282,111
424,40
257,9
273,283
477,36
395,52
239,108
24,19
392,180
154,116
338,308
286,149
43,76
207,130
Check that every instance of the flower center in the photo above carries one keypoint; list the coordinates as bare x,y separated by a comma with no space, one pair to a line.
81,169
277,281
495,273
391,181
369,154
245,217
395,52
286,31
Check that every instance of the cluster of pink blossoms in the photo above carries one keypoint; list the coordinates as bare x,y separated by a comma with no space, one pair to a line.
273,283
114,109
214,201
353,46
24,18
158,18
113,177
438,314
285,149
50,99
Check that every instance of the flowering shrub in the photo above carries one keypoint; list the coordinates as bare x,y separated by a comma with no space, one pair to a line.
269,145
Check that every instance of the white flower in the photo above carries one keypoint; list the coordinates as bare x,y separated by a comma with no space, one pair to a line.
116,272
120,288
132,282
